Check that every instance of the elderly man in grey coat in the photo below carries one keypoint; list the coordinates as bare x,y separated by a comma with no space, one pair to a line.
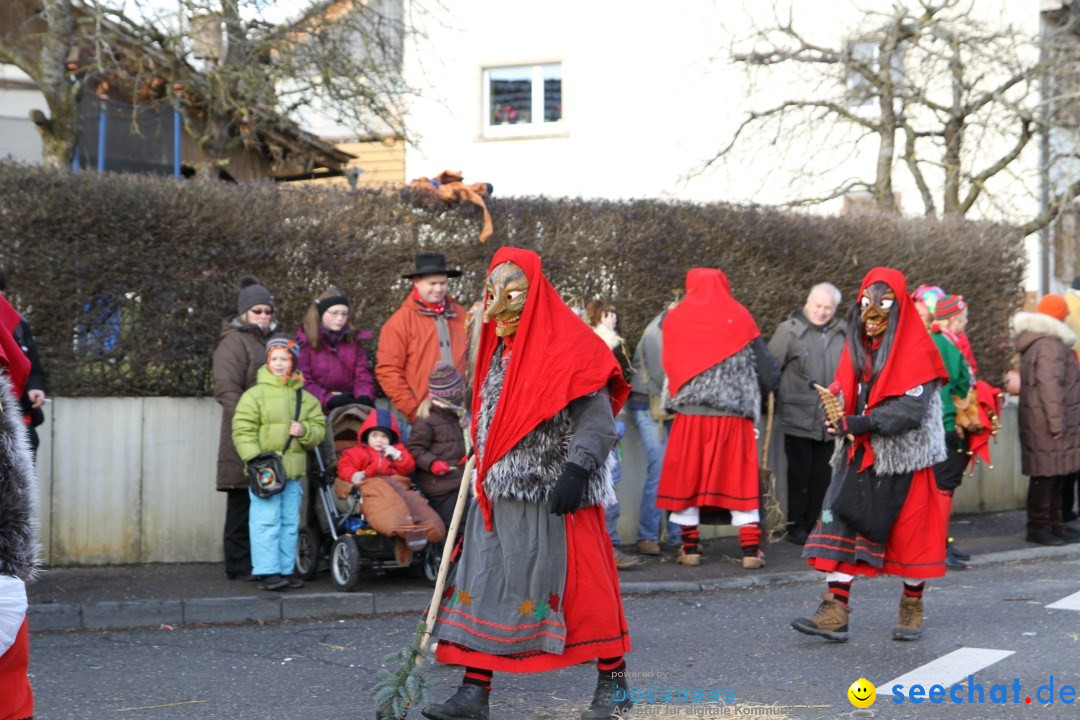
807,344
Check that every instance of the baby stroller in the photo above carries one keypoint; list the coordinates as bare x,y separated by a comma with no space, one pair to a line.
337,529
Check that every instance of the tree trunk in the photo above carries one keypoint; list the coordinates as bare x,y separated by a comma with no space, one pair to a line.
954,128
883,187
61,92
58,137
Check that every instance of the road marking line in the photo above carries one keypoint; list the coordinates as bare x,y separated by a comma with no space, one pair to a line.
950,669
1070,603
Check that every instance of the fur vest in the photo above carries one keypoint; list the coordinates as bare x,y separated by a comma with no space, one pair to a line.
529,470
18,491
730,388
916,449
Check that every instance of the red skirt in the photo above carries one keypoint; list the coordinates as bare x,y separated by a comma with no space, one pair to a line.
592,607
16,697
710,462
916,544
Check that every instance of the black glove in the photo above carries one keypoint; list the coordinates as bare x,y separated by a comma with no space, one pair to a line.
853,424
340,399
365,400
569,489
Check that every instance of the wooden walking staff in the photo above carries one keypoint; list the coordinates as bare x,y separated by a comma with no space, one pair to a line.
772,515
448,549
397,691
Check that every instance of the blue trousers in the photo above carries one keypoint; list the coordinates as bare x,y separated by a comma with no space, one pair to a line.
650,516
274,524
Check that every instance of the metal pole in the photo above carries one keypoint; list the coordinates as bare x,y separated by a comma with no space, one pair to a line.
176,143
102,123
1044,159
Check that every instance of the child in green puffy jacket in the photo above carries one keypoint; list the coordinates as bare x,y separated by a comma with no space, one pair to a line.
264,423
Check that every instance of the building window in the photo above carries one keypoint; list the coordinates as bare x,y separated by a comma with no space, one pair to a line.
523,100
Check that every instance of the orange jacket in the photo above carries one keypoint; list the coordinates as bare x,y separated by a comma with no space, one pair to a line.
409,348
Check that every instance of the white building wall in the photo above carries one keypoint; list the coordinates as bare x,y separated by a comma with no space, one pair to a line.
650,92
19,138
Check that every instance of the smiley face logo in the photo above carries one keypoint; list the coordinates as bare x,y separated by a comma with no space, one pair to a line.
861,693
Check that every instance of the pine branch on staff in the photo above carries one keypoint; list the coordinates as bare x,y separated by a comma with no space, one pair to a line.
397,691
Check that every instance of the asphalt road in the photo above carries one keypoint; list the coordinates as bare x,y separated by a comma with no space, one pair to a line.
992,622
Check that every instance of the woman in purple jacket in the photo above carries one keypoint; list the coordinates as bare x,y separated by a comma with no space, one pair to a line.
332,360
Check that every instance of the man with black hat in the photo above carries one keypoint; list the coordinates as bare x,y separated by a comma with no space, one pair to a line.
428,327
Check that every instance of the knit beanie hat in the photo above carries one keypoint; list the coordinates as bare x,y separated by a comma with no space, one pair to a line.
251,293
949,306
929,295
1054,306
284,344
445,382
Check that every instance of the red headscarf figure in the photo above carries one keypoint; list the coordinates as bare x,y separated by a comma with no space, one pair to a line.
913,358
688,349
11,355
556,358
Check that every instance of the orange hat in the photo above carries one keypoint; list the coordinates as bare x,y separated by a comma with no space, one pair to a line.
1054,306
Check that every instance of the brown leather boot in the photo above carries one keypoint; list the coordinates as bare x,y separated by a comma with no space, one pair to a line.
830,621
684,558
909,624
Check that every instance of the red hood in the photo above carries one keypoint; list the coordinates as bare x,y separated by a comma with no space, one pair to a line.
556,359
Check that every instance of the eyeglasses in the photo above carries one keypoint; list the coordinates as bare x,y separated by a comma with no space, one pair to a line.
253,311
337,313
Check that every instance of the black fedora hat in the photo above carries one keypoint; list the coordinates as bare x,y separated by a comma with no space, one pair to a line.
431,264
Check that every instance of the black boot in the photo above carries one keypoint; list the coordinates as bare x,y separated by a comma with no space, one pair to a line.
470,702
960,555
610,699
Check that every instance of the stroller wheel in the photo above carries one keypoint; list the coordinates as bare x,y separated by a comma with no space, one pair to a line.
308,548
345,563
429,564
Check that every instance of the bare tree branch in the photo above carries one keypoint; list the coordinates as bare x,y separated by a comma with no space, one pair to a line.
978,181
911,160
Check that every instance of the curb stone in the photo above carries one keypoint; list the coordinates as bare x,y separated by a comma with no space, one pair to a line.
145,613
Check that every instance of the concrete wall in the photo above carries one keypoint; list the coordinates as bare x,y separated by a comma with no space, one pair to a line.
131,480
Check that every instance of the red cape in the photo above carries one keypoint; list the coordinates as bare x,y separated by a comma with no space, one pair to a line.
556,358
11,355
913,359
707,327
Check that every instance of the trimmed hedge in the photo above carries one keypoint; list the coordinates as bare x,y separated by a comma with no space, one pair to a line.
125,278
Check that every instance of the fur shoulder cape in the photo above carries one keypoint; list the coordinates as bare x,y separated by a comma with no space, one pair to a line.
18,491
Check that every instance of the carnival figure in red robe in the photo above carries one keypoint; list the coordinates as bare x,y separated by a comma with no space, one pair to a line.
717,368
536,586
18,525
883,512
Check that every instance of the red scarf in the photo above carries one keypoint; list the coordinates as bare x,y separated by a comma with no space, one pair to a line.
913,359
11,355
556,358
437,309
707,327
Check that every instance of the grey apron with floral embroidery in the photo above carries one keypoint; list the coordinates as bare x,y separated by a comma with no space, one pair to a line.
505,595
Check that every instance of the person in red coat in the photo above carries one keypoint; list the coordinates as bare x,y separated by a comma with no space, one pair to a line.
379,451
883,512
18,525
